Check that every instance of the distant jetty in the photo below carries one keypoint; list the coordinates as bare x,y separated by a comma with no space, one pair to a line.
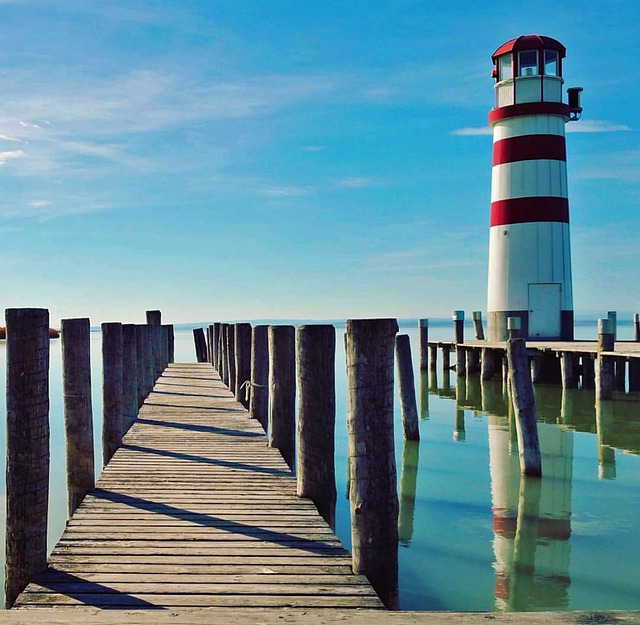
53,333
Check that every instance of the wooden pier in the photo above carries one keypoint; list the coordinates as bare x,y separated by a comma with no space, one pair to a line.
195,510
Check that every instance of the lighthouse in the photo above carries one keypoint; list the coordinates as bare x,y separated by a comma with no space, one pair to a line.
529,249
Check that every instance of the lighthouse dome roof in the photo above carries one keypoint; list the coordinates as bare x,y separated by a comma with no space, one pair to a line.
530,42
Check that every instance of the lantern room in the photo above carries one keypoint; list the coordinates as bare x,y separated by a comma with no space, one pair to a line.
528,69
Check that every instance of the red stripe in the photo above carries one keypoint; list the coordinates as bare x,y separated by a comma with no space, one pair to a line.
529,209
529,108
529,148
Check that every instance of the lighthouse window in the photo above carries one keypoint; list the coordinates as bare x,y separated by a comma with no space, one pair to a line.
528,62
551,63
505,71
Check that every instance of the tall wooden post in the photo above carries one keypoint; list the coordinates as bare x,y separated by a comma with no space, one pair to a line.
487,363
620,375
259,399
636,327
568,370
477,325
423,343
282,391
140,351
243,363
406,388
231,356
634,375
154,320
604,364
373,494
315,364
612,315
216,345
129,376
27,477
78,414
171,343
458,338
112,348
525,408
433,357
200,344
210,343
224,359
149,366
588,371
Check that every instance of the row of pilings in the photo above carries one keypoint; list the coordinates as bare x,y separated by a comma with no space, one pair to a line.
133,357
268,367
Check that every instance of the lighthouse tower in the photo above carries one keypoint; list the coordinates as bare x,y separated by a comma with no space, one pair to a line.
529,252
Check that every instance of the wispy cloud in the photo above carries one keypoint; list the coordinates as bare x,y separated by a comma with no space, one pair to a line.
358,182
287,191
623,166
472,132
10,155
594,125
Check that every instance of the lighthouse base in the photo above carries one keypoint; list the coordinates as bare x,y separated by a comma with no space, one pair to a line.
497,326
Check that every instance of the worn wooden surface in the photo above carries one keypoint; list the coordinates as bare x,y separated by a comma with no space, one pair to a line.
195,510
302,616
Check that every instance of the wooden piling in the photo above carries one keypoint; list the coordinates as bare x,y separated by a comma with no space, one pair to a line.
78,413
620,374
216,345
315,367
259,399
224,360
636,327
423,343
243,362
231,357
210,343
634,375
154,317
129,376
433,357
588,371
458,339
604,364
171,343
446,358
373,494
487,363
477,325
568,370
112,352
612,315
406,388
27,472
472,361
525,408
148,361
200,344
282,391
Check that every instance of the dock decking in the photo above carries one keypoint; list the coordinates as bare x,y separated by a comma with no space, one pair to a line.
195,510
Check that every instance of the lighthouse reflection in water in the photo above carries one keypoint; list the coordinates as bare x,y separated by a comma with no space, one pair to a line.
475,535
531,519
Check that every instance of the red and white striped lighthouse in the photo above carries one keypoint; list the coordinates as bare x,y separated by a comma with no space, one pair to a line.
529,251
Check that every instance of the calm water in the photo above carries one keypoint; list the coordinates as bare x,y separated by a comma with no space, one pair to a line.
474,536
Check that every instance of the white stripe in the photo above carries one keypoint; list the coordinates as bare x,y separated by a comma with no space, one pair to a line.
541,177
528,125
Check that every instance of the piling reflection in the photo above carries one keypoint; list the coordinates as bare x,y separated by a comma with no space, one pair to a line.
408,481
424,394
459,431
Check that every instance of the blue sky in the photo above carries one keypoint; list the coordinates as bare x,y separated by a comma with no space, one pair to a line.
231,159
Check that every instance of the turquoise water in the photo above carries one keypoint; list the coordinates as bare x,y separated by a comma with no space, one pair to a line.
473,535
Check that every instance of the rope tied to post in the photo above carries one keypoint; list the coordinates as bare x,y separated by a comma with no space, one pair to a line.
247,385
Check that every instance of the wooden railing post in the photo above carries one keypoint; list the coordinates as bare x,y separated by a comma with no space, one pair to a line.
406,388
477,324
243,362
315,364
231,356
282,392
112,350
27,478
78,413
224,360
216,346
373,493
259,399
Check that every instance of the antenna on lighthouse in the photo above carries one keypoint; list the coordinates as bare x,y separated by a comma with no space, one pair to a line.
575,110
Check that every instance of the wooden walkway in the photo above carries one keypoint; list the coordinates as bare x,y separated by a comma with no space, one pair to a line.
196,511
